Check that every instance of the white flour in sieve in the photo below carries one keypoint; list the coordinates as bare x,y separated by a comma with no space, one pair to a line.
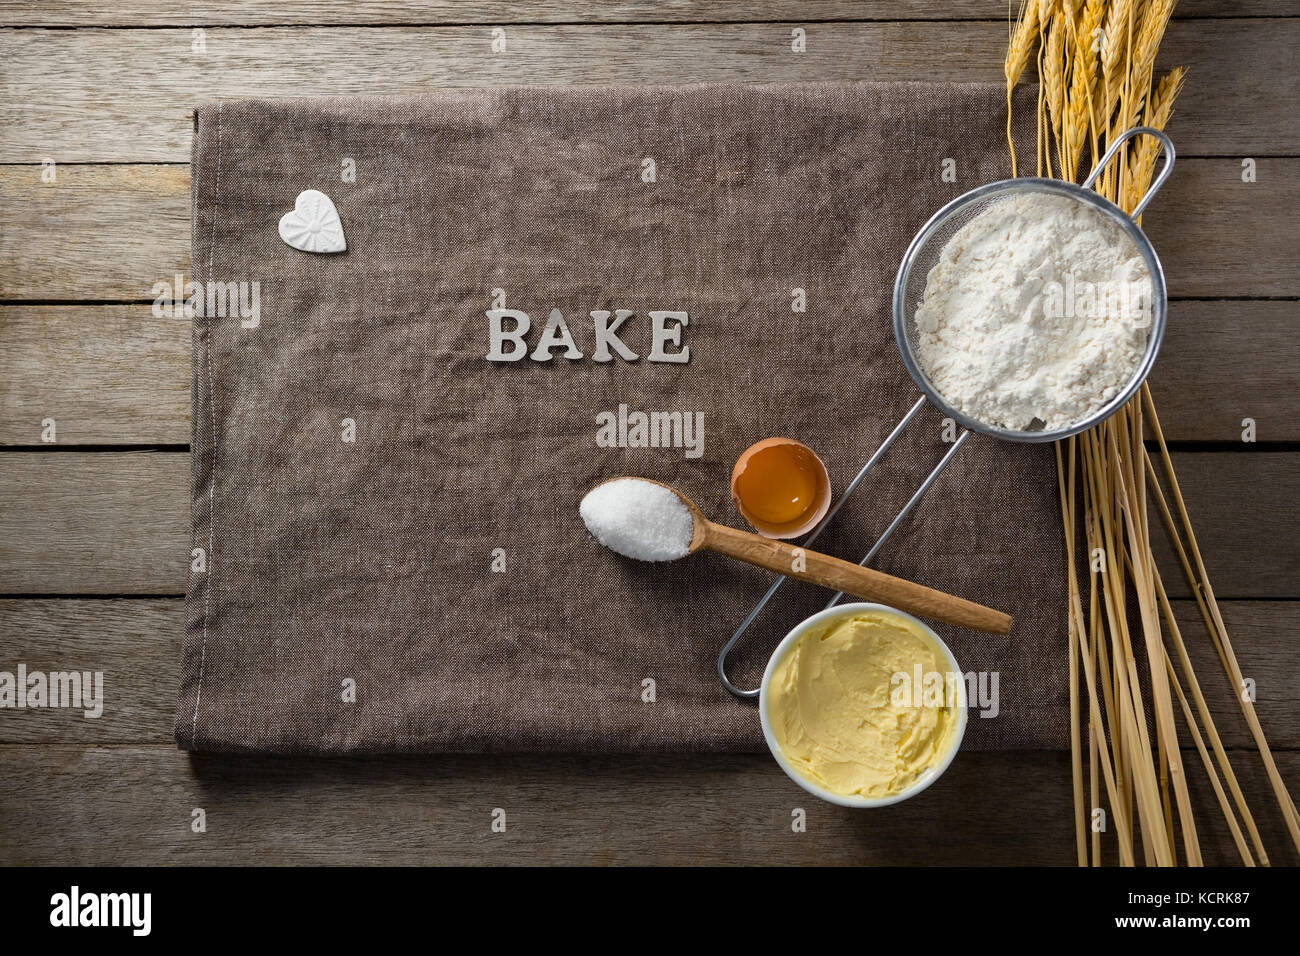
1036,313
638,519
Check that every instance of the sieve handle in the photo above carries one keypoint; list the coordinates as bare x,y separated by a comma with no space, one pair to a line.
907,508
898,519
1166,146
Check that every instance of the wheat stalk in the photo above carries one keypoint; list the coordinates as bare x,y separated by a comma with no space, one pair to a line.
1021,46
1159,109
1054,79
1090,93
1114,48
1080,110
1019,50
1146,42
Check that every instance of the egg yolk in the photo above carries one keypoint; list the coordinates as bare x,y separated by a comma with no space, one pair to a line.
779,484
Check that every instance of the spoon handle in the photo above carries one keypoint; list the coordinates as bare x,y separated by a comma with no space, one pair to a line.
818,568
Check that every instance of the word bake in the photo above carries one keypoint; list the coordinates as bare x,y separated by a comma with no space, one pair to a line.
511,344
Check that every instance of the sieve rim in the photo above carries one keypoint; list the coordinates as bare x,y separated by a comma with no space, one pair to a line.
1155,335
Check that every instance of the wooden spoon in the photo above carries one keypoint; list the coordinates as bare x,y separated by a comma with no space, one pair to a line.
830,572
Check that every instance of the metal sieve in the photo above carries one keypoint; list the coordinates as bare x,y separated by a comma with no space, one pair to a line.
909,288
924,252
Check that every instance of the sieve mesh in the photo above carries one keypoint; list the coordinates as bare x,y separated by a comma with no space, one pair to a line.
924,254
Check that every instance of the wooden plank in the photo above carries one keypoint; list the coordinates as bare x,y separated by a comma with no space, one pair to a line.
1218,236
1263,638
1223,362
109,524
136,644
97,232
1214,115
157,13
100,806
67,98
1242,508
118,374
118,523
112,232
104,374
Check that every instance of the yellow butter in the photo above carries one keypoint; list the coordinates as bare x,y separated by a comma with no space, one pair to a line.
845,721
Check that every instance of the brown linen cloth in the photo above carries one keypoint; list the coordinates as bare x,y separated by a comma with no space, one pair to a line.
375,563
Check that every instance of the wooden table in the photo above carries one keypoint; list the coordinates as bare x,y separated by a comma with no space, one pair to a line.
93,527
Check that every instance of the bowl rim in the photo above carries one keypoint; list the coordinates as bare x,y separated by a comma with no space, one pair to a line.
1155,334
845,800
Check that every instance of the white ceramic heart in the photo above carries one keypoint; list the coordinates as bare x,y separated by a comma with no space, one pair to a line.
314,224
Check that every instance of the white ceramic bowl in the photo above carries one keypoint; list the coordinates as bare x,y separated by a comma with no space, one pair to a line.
923,780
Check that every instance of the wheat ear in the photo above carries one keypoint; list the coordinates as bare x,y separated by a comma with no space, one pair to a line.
1160,107
1019,50
1080,105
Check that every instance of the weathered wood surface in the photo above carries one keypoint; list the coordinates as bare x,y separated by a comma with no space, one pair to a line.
1219,236
1225,361
105,374
400,12
112,232
114,790
127,95
136,643
95,523
118,374
96,232
105,805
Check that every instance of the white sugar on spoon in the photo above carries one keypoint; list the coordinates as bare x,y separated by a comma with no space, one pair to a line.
648,521
638,519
